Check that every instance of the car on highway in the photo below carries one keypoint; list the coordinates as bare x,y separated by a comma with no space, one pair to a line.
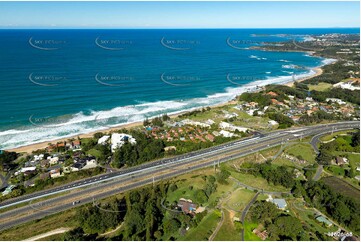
76,202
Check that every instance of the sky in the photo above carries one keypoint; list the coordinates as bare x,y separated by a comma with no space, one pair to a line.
179,14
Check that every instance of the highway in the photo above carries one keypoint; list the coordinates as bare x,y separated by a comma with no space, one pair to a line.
99,187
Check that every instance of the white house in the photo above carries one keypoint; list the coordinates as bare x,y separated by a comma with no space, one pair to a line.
25,169
335,100
118,140
231,127
196,123
272,122
225,133
53,160
103,140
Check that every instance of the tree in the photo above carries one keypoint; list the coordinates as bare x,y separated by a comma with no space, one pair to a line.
355,139
200,196
222,176
171,225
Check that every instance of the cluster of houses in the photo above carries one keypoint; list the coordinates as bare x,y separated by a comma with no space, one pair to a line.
294,108
64,145
44,166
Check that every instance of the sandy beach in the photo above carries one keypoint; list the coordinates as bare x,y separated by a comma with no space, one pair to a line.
318,71
44,144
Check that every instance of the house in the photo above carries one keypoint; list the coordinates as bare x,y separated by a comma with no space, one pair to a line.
26,169
210,137
53,160
231,127
187,206
225,133
76,145
323,220
103,140
335,100
341,160
272,123
90,163
8,190
55,173
273,94
118,140
280,203
169,148
210,122
262,235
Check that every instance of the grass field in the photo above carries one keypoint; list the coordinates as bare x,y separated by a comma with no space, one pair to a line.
228,230
342,187
304,150
30,229
331,136
248,234
205,228
239,199
187,185
322,86
257,182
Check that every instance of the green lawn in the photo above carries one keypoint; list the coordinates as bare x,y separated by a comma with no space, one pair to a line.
239,199
331,136
95,153
187,185
248,232
205,228
228,230
257,182
304,150
322,86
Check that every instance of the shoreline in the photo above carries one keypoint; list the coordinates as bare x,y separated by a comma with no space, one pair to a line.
318,71
43,144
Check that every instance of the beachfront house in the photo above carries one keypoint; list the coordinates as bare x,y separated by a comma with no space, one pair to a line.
118,140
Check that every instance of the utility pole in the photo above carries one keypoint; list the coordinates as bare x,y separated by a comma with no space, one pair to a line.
153,181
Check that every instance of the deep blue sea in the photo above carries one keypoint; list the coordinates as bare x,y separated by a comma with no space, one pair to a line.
59,83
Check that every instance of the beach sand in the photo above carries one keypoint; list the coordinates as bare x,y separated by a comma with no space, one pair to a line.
44,144
318,71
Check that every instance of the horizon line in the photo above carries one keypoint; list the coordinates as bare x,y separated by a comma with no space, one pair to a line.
160,28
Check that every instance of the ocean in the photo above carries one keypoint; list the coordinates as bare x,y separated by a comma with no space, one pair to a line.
60,83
